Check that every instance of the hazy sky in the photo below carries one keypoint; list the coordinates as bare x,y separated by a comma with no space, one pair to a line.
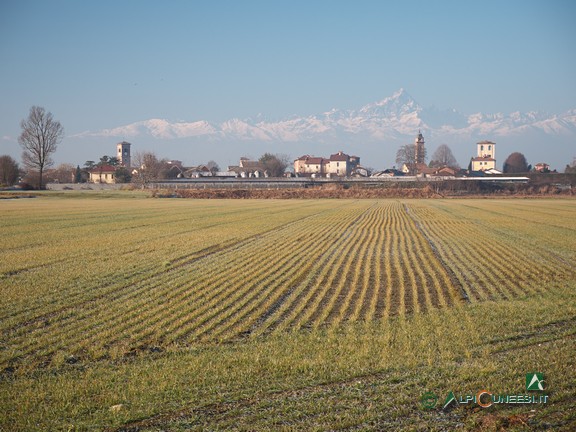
101,64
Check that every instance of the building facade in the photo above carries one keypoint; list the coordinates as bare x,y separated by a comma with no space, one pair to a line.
486,157
339,164
103,174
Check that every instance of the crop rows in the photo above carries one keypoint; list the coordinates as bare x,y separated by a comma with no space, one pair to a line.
488,250
98,280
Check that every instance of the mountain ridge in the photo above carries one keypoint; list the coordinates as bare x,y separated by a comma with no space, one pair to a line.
392,116
374,131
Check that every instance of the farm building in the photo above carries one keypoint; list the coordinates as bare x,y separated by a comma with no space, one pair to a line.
248,168
103,174
339,164
542,167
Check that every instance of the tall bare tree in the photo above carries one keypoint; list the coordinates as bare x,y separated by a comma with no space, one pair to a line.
149,168
39,139
442,157
406,154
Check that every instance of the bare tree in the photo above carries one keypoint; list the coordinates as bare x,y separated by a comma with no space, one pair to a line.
9,171
63,173
406,154
213,167
39,139
275,164
149,169
443,157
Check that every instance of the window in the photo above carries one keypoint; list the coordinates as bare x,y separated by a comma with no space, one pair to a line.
481,148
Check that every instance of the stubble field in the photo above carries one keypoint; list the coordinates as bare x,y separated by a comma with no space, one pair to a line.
153,314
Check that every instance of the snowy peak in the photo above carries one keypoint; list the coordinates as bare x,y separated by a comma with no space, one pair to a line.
389,119
397,105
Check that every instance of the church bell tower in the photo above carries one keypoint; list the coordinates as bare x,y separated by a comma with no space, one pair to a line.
123,154
419,148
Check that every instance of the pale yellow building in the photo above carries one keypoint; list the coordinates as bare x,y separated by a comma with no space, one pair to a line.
103,174
486,158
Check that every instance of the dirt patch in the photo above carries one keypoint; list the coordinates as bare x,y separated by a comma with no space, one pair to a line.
503,422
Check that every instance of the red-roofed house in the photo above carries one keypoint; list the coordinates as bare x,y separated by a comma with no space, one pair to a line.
542,167
339,164
308,165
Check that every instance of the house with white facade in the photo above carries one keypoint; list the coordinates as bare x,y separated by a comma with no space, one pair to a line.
486,157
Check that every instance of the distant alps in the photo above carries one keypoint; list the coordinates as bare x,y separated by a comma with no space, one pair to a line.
374,132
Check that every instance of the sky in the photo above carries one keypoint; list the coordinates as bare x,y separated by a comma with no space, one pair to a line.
102,64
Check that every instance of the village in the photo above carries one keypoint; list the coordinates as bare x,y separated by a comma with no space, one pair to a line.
411,160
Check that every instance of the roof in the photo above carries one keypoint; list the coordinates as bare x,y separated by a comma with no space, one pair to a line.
199,168
483,159
445,170
245,163
316,160
486,142
340,156
103,169
422,168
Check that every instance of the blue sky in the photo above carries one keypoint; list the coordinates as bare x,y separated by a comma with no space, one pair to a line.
101,64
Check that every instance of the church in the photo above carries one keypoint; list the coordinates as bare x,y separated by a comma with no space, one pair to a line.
107,173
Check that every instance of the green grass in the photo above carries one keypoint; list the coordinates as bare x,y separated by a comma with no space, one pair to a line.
87,338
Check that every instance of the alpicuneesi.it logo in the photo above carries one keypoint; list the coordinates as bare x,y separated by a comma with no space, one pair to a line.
485,398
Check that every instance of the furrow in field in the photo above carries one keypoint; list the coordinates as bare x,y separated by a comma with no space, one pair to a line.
347,286
383,294
198,308
115,320
327,291
109,318
434,261
258,297
124,248
361,300
491,261
308,240
183,302
306,296
396,303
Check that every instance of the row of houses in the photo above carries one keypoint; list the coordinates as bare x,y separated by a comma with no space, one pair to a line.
339,165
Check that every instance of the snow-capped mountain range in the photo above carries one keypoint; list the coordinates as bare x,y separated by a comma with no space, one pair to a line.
378,126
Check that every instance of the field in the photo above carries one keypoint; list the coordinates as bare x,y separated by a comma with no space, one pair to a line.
124,312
